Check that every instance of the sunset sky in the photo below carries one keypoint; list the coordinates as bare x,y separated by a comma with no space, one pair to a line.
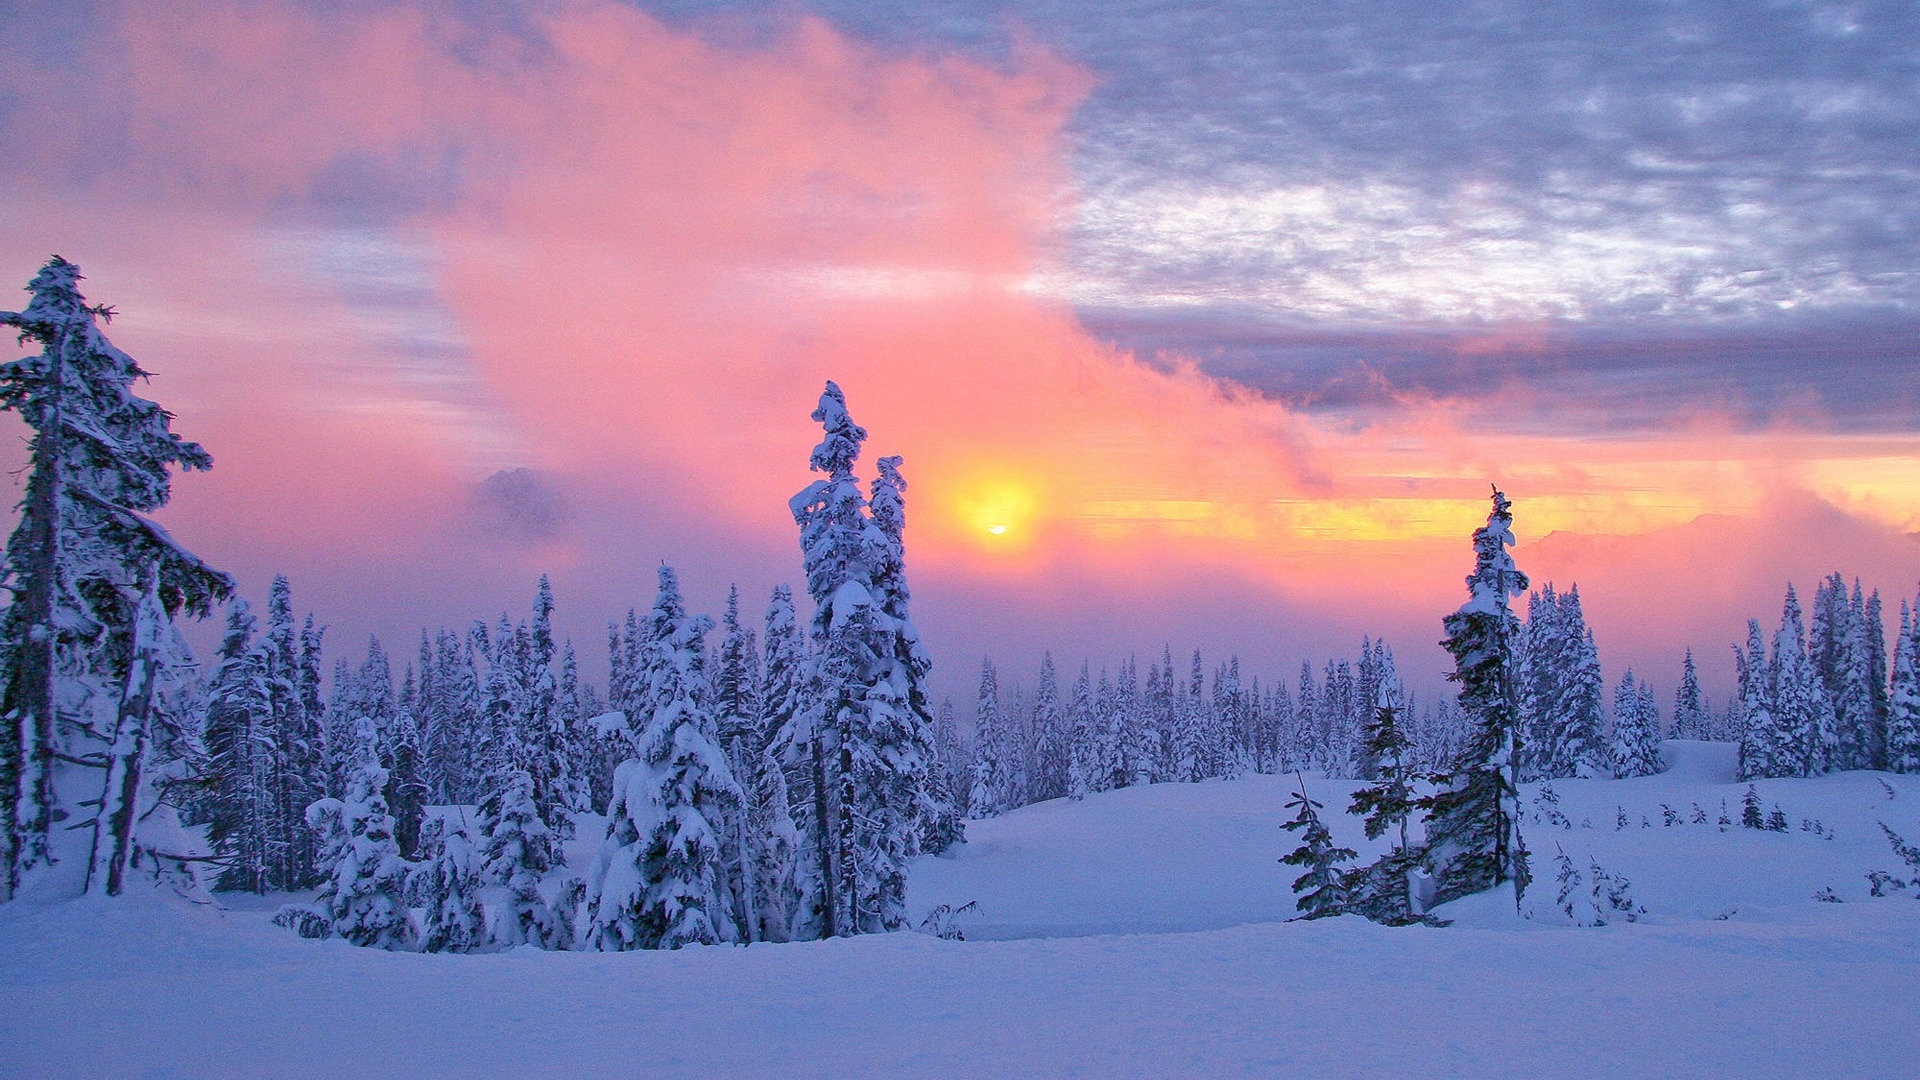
1206,324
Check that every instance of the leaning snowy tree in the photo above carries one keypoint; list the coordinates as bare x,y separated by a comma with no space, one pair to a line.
1473,826
86,644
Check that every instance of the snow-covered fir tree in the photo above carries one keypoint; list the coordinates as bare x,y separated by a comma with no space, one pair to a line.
1763,749
1083,738
1636,731
363,895
1903,708
80,563
866,685
517,852
1047,778
994,771
661,877
936,823
1691,717
807,766
1799,698
242,777
542,741
1473,828
448,885
1322,883
1559,690
1386,891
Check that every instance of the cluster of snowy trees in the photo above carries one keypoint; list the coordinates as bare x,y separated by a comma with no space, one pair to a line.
746,799
1114,732
1824,698
1120,731
1468,812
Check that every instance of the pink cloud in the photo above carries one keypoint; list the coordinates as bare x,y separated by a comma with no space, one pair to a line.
653,246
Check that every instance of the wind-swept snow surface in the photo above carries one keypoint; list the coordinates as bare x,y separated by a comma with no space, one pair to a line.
1139,940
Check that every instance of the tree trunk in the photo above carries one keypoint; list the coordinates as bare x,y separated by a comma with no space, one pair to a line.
113,829
823,834
29,693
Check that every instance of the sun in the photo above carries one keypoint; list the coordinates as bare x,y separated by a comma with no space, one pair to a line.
997,509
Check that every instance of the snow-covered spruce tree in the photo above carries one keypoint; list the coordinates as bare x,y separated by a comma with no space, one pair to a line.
955,769
300,761
937,821
448,885
1691,717
1636,735
1763,750
1140,758
1800,704
449,711
1559,690
363,898
1048,777
79,564
543,742
992,750
1903,708
806,764
1083,738
1842,654
517,852
736,710
1322,885
1474,818
407,791
239,807
660,879
1384,892
865,685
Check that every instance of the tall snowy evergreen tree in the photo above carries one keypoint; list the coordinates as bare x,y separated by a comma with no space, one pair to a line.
1384,892
935,821
1800,704
866,685
1083,739
363,896
1473,830
1903,708
806,764
1560,690
449,886
300,762
1763,749
661,877
992,751
518,851
543,745
1048,777
1691,717
236,808
79,565
1636,732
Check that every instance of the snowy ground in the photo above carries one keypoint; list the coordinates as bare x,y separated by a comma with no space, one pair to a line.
1133,934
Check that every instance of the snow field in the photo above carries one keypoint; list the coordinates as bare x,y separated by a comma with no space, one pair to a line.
1135,933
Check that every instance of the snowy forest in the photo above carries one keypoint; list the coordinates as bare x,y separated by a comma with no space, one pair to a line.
783,776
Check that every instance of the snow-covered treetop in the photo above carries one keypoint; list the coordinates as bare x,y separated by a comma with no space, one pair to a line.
840,448
1495,579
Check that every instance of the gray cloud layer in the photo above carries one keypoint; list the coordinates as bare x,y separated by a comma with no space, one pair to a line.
1705,205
